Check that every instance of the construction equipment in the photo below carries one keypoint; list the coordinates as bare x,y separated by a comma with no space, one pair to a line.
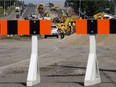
68,22
99,15
40,11
55,7
40,8
103,15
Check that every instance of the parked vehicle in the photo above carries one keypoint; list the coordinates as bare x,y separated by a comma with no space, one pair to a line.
17,9
28,17
17,15
54,32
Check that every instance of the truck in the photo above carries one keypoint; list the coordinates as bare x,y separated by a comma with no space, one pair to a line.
17,9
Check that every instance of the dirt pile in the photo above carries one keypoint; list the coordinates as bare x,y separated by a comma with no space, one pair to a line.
75,39
107,40
83,40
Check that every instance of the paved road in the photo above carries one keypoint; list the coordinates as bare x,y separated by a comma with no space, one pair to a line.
63,66
27,11
10,17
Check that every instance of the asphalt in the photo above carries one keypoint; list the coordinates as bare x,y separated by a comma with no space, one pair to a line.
26,12
63,66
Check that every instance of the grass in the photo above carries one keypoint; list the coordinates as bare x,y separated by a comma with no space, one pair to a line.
11,10
8,11
16,37
1,11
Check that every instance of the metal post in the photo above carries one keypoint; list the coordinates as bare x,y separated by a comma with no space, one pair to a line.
10,4
34,72
4,7
80,8
114,7
92,72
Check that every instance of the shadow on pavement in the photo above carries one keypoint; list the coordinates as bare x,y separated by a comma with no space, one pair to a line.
22,83
108,70
80,83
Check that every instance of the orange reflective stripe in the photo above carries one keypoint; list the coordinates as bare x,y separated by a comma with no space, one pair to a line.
3,27
23,27
81,26
45,26
103,26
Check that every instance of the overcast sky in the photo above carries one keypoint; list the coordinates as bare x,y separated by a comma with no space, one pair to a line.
44,1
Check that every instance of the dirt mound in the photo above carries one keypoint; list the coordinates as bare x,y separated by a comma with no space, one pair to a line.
102,40
107,40
75,39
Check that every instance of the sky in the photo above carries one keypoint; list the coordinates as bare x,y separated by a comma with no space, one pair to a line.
45,1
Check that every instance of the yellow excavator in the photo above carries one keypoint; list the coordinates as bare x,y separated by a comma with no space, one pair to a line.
99,15
67,22
56,6
40,10
103,15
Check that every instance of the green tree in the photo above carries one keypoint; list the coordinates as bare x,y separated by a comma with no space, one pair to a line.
7,3
92,7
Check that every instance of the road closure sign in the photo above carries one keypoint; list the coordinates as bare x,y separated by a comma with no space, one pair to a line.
100,26
25,27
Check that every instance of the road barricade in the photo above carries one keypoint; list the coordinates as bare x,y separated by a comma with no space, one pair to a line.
28,27
93,27
39,27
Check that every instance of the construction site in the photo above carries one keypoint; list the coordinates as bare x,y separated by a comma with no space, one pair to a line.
60,62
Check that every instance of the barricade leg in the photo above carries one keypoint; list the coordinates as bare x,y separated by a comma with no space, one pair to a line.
34,72
92,72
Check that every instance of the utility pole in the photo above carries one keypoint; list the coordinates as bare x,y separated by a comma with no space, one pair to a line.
114,7
16,2
80,8
10,4
4,7
113,1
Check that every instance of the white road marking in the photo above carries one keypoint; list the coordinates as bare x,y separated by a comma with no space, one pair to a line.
24,12
3,67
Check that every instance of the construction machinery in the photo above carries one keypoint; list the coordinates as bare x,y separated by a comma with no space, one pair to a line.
67,22
40,11
99,15
103,15
55,7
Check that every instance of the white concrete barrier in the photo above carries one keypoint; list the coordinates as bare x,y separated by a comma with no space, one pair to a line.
34,72
92,76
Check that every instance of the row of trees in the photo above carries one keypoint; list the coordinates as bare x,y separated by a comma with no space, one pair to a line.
8,3
91,7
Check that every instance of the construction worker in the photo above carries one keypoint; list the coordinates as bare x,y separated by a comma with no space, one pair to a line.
62,32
